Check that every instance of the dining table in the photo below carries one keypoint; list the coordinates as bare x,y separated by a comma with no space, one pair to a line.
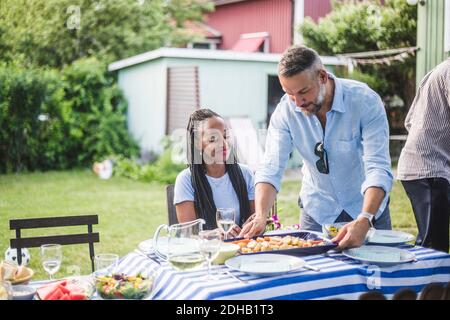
337,277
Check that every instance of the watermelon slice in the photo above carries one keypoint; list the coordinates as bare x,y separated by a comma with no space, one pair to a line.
64,289
77,296
65,297
61,290
56,295
46,291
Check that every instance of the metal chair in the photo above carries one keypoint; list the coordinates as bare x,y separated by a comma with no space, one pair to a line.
33,242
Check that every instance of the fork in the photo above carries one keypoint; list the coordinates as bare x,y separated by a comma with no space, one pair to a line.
226,272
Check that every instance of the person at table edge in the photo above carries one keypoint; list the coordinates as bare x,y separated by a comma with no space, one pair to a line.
340,129
214,178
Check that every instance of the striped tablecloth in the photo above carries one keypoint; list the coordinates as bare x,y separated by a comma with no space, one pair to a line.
339,277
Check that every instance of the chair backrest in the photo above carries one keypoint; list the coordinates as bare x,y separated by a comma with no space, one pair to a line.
33,242
405,294
432,291
171,211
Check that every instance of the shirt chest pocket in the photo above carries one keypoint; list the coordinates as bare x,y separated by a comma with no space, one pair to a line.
345,148
346,156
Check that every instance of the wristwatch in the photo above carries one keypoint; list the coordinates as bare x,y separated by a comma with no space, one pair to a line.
368,216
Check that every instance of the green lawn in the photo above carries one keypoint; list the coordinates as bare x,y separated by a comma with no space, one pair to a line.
129,211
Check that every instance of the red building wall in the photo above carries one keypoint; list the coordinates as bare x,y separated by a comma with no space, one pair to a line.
272,16
317,8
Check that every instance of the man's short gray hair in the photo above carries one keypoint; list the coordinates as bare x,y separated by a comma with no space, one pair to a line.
297,59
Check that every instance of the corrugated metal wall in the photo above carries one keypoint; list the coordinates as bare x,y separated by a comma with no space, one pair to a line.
273,16
430,37
317,8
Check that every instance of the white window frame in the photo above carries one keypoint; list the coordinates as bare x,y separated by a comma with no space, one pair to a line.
447,26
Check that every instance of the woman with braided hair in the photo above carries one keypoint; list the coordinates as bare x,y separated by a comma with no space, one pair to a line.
214,179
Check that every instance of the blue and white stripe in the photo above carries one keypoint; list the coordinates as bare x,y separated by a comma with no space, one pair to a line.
340,277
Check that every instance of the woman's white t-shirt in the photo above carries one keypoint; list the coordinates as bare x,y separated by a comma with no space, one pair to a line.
223,192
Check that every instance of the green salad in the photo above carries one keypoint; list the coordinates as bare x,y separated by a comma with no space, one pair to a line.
123,287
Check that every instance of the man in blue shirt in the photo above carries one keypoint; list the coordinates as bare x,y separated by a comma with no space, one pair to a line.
340,129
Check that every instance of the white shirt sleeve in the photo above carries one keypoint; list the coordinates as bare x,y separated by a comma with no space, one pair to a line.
183,191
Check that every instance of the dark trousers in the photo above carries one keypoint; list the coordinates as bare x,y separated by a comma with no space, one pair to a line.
308,223
431,205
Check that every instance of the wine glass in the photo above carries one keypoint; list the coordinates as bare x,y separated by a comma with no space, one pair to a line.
225,219
51,256
210,241
105,263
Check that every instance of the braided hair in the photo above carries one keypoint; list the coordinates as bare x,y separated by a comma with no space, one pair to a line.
204,205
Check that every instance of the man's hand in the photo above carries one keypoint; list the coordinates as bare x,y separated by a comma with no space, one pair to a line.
352,234
253,227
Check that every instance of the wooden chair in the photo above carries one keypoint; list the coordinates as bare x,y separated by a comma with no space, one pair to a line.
172,212
33,242
372,295
446,294
405,294
432,291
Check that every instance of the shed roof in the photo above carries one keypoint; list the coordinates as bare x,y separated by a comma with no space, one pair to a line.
208,55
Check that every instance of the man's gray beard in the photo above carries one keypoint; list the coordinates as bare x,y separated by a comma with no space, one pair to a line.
319,101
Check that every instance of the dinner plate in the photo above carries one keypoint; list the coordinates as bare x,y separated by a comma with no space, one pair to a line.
380,255
389,237
265,265
179,245
146,246
23,279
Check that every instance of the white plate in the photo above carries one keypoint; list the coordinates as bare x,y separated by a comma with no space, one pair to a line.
265,264
379,255
389,237
182,245
146,246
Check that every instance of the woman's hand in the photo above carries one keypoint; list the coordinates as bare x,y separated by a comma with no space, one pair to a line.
233,233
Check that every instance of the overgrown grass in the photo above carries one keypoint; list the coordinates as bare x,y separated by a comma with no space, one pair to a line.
129,211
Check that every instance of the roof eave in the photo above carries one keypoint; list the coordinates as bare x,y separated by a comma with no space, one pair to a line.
210,55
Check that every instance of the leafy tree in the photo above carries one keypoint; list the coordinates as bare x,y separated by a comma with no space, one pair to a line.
369,26
57,32
98,114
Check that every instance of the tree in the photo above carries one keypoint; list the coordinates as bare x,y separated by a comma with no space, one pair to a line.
58,32
369,26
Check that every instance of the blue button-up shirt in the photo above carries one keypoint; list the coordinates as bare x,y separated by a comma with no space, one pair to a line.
356,140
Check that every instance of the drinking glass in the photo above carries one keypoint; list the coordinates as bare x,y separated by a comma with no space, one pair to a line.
225,219
51,257
105,263
210,241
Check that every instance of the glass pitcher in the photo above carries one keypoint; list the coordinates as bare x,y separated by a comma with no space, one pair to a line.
183,245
